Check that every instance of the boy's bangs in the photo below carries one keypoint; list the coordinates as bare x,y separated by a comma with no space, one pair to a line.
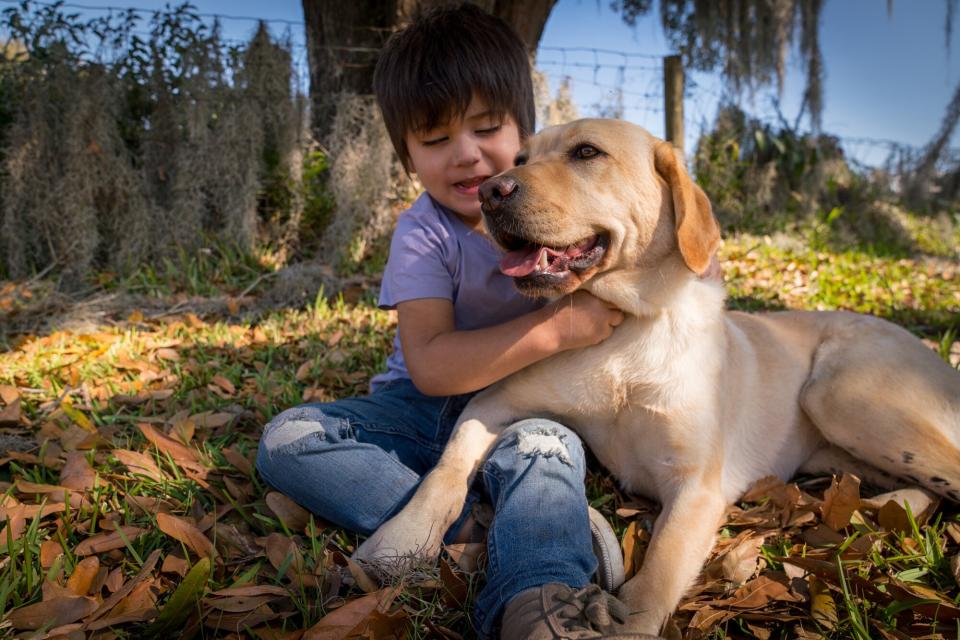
437,108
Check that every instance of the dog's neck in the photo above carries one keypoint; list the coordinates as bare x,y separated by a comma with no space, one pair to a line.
645,292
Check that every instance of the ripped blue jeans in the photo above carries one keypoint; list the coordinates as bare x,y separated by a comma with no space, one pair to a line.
356,462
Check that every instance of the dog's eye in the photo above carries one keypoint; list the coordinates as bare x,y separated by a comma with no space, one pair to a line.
585,152
520,160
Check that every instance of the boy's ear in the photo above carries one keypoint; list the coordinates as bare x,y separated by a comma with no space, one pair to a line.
698,234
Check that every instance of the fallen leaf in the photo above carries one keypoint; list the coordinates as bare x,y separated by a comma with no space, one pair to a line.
175,564
359,575
50,550
349,619
293,516
181,454
9,394
240,462
181,603
52,613
823,609
467,555
107,541
10,414
759,592
77,473
140,463
83,575
840,501
224,384
186,532
634,543
739,563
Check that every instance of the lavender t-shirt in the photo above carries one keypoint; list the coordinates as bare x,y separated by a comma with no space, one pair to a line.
433,254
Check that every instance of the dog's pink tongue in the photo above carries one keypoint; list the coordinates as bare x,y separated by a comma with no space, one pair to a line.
521,262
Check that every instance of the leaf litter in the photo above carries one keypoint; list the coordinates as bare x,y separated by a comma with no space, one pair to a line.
131,506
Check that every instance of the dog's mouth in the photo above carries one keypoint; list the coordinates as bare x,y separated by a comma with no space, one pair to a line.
528,260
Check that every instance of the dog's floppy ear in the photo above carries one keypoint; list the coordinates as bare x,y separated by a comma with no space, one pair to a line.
698,233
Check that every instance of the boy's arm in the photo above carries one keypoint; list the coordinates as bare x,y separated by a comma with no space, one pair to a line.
443,361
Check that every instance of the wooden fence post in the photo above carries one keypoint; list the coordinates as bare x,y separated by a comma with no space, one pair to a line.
673,99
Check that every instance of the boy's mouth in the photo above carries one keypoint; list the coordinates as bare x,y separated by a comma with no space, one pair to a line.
470,183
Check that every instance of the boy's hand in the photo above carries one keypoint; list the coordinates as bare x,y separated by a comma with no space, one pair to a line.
581,319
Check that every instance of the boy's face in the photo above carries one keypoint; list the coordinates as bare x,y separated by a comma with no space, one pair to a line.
452,159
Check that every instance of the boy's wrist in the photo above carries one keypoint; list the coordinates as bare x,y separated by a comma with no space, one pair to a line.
549,338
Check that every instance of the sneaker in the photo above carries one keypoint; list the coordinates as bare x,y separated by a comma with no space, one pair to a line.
606,546
610,573
558,612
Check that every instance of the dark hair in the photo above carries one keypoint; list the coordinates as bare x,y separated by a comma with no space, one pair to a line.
429,71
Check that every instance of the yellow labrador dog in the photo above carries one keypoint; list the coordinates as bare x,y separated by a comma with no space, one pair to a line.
685,402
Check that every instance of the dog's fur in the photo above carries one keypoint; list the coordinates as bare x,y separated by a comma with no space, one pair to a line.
685,402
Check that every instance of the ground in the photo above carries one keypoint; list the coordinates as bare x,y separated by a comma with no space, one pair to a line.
129,422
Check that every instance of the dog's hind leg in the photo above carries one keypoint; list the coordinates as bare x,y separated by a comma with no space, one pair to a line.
882,396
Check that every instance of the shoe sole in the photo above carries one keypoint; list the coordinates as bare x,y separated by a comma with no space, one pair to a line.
610,572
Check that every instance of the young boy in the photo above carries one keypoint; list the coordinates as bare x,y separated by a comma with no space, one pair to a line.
456,96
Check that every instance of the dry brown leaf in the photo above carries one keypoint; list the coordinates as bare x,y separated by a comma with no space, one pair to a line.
238,460
181,454
224,384
350,619
252,590
9,394
183,428
55,612
303,371
706,618
359,575
140,463
455,588
10,414
238,622
120,594
269,633
822,607
238,604
50,550
175,564
634,543
83,575
187,533
282,551
293,516
467,555
740,562
213,420
840,501
758,593
107,541
77,474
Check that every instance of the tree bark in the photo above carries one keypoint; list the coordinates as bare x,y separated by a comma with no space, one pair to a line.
344,38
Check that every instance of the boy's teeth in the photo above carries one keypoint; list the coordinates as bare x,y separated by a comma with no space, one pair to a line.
543,261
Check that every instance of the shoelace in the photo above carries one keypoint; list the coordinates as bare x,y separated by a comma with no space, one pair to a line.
595,607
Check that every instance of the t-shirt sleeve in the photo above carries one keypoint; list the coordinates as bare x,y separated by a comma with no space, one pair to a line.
417,265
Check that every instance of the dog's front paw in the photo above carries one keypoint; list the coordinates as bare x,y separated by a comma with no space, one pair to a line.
399,547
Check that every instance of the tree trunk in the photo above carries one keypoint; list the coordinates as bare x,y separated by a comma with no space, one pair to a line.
345,37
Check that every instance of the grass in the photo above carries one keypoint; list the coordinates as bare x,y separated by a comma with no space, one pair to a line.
207,385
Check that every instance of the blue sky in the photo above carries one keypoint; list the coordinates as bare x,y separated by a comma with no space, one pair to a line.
888,77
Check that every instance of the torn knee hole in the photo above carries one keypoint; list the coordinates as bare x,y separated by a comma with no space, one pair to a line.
543,442
291,431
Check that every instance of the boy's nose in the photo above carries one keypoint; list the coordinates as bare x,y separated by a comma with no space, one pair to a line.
494,191
467,153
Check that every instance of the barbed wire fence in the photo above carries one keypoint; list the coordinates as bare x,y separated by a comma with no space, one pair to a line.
603,82
599,82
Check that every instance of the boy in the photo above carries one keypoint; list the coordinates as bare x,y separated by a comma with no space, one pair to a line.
456,96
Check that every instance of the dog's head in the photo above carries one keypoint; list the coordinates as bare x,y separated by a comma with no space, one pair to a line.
593,197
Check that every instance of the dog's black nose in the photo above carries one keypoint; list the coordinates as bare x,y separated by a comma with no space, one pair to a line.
497,189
